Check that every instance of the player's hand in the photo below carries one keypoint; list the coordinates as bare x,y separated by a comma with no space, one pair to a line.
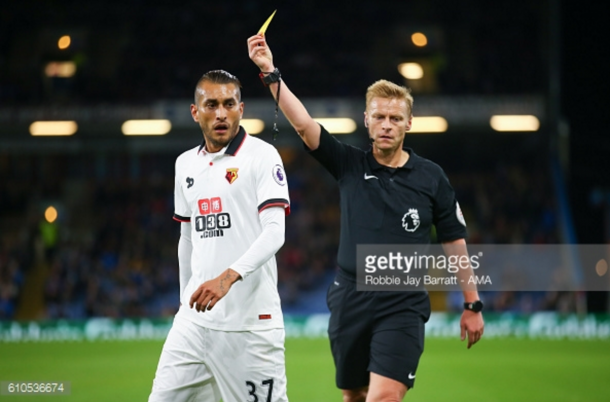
260,53
472,325
210,292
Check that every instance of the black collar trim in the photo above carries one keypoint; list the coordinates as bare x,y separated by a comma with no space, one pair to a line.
234,145
376,165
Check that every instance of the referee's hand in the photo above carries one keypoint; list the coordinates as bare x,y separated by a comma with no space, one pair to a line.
472,325
210,292
260,53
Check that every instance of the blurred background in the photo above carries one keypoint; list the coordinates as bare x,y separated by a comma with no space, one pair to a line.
508,100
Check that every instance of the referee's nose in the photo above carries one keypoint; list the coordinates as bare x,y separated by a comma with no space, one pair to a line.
386,124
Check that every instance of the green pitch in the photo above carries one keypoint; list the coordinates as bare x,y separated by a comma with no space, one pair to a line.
493,370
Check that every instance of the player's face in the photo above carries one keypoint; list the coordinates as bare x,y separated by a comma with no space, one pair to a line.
218,112
388,121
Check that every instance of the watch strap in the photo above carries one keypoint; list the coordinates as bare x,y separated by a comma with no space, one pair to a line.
475,306
270,78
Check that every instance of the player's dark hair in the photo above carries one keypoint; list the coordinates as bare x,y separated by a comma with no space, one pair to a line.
219,77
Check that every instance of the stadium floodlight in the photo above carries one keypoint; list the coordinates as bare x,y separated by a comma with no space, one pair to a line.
419,39
512,123
428,124
50,214
64,42
411,71
61,69
53,128
146,127
340,125
253,126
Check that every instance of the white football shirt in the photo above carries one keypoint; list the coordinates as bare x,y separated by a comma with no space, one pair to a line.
221,195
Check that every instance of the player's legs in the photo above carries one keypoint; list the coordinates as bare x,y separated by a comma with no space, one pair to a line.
181,373
249,365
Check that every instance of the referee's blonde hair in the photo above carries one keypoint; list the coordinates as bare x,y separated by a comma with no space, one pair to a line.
387,89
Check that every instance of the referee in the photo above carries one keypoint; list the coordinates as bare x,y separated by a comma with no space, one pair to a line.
389,195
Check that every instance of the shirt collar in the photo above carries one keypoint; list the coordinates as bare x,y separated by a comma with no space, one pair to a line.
233,146
376,165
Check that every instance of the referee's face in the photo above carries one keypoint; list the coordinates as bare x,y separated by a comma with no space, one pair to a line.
218,112
388,120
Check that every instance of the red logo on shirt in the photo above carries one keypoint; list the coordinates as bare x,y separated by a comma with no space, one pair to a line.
264,317
210,205
231,175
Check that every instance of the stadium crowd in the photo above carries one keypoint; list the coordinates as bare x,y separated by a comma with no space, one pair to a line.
112,250
470,54
115,250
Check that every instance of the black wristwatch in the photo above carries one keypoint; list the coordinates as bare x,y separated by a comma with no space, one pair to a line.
476,306
270,78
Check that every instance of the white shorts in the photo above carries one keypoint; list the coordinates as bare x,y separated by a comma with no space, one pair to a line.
201,364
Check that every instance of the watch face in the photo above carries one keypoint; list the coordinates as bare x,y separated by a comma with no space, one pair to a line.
474,306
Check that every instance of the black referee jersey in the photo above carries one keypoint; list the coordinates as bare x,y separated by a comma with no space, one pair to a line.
382,205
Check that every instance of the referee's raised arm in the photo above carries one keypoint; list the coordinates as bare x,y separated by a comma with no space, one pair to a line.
291,106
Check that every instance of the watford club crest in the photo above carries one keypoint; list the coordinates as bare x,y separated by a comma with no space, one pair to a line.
231,175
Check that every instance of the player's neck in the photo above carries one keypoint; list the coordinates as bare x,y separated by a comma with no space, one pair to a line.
391,158
215,152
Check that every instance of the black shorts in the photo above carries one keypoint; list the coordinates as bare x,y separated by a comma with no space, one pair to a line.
380,332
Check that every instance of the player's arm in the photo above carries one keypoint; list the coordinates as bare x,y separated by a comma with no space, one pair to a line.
471,323
266,245
185,249
291,106
182,214
260,251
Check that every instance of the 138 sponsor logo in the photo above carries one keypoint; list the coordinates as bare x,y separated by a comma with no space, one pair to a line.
212,221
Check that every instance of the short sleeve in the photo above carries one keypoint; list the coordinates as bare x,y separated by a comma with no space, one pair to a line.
448,218
332,154
272,183
182,212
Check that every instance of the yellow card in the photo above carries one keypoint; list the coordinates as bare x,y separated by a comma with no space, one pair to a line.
266,24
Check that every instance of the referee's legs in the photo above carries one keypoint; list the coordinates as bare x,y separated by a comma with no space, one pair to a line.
355,395
380,389
385,389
